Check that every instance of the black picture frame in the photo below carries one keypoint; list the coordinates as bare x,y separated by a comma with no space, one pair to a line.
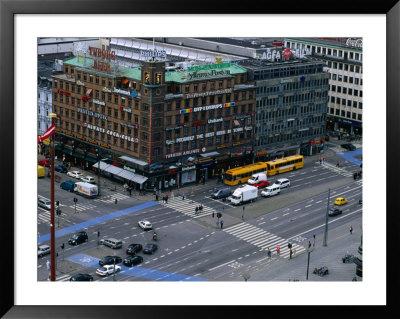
8,10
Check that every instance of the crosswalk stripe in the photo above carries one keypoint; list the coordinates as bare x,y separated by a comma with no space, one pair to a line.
63,278
187,207
261,238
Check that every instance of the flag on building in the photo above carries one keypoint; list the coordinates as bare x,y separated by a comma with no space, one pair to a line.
50,131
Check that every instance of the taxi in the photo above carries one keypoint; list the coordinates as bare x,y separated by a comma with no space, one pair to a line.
340,201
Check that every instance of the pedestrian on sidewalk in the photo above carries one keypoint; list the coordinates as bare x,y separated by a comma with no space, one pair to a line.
269,252
116,201
130,191
337,163
183,196
163,200
213,215
351,230
157,197
222,224
278,250
166,199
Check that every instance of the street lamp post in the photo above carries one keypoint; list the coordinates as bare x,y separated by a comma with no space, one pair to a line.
52,207
326,219
309,250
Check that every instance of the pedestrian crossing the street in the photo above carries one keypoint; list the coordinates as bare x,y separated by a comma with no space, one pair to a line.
263,239
111,198
188,207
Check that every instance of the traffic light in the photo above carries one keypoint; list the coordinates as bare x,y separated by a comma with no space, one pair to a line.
62,246
58,211
75,199
219,215
98,234
58,203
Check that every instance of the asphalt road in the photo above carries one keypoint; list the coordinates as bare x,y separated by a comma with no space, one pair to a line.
193,247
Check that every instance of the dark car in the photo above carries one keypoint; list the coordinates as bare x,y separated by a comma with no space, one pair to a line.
133,249
77,238
348,146
149,248
81,277
334,212
133,260
109,260
61,169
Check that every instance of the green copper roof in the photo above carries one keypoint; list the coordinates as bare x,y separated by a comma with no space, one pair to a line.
82,63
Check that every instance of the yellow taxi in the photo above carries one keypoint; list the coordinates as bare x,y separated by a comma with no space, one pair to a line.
340,201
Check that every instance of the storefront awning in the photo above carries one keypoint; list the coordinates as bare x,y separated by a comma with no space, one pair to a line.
67,151
90,159
209,154
133,160
121,172
78,155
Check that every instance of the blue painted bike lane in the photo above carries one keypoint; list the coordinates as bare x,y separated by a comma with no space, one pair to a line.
136,271
350,156
96,220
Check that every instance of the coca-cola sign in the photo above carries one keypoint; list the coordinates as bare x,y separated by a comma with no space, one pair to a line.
357,43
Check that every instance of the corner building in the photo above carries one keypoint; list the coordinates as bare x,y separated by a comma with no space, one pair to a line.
159,128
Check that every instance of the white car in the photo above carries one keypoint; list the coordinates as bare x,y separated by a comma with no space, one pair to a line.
88,179
145,224
282,183
107,270
75,174
43,250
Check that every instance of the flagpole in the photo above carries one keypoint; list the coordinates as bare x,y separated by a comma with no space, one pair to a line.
52,219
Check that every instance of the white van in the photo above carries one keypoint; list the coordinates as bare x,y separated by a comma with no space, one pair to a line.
256,178
271,191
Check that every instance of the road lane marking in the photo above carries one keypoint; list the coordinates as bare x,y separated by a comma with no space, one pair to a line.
221,265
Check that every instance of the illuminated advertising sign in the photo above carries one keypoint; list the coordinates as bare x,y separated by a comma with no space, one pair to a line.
357,43
153,53
104,55
208,70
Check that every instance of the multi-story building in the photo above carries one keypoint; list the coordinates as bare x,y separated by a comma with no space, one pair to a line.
343,61
168,127
291,103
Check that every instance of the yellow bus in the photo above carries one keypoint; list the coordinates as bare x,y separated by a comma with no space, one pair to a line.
240,175
285,164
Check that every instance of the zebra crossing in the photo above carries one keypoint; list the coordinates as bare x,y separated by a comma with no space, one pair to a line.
63,278
188,207
336,169
262,239
82,207
111,198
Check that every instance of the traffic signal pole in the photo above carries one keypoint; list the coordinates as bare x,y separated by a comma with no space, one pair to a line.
52,207
326,220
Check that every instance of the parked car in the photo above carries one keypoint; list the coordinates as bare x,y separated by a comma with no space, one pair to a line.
75,174
334,211
88,179
107,270
133,249
348,146
109,260
43,250
44,162
261,184
340,201
149,248
61,169
145,224
282,183
133,260
81,277
44,203
77,238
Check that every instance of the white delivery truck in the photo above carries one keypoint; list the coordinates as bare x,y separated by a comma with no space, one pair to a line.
256,178
243,194
86,189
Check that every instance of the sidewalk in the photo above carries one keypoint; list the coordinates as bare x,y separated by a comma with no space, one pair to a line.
339,242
